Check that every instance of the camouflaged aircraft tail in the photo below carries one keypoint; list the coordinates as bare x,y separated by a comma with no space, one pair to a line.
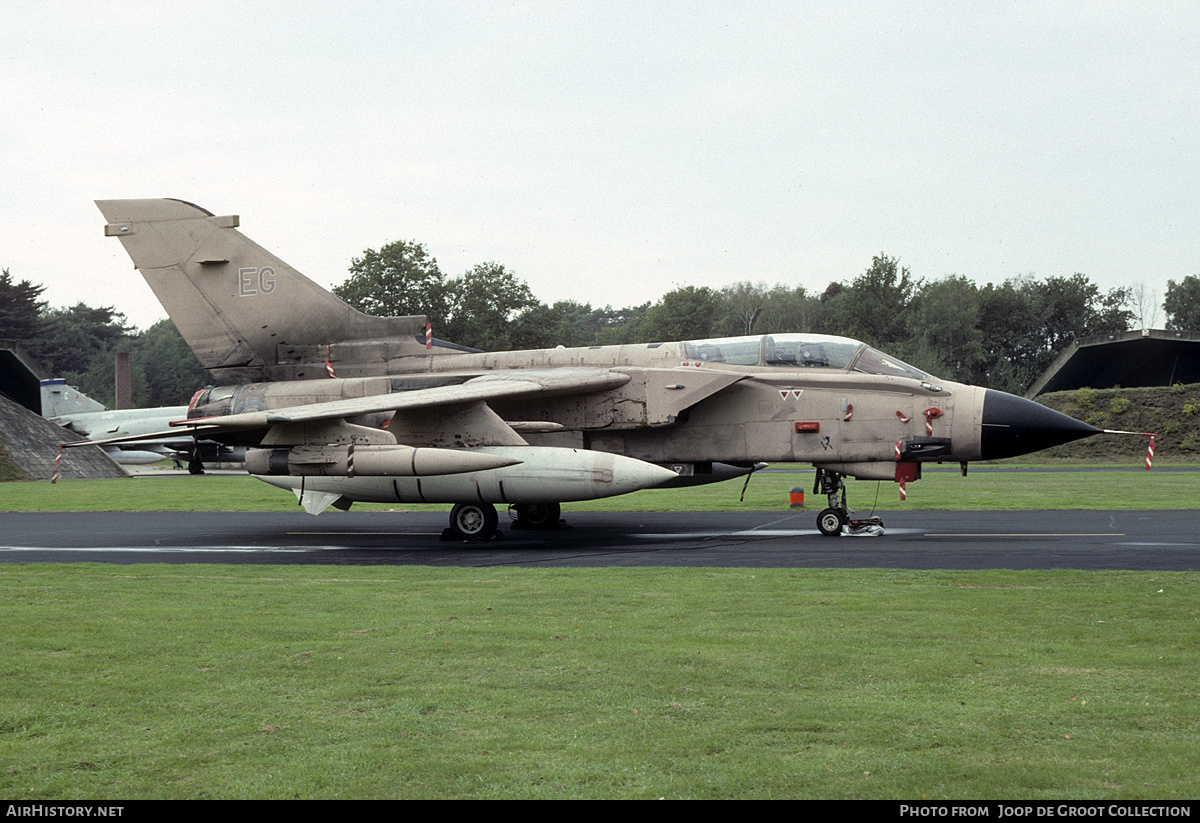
248,315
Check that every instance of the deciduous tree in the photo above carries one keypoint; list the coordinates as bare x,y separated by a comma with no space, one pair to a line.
1182,304
482,305
682,314
399,279
875,306
946,334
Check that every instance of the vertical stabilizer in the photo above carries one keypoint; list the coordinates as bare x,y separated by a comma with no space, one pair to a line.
246,314
59,400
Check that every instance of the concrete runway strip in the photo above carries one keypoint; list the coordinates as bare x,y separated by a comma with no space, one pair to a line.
1134,540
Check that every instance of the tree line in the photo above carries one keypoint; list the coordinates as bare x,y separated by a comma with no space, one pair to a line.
79,344
997,335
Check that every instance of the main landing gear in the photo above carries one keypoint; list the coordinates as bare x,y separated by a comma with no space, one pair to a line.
835,520
479,521
195,464
543,516
472,521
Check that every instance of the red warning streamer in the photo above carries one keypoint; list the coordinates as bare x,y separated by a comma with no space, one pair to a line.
931,415
1149,449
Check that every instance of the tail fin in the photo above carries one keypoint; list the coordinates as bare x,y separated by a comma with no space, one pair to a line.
248,315
59,399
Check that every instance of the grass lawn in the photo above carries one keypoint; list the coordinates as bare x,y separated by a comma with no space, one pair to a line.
302,682
1038,487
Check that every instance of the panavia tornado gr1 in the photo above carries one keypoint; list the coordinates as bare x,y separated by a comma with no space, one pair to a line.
409,418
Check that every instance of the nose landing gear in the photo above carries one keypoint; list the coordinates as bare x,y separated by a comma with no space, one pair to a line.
835,520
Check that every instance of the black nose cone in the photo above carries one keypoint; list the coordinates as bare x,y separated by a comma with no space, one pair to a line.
1013,425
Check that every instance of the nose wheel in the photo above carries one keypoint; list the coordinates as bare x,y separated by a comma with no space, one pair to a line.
830,522
835,520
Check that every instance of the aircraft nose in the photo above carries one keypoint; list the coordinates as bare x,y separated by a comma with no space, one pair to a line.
1013,425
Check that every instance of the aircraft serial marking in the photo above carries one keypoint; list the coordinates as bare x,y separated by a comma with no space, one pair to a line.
254,280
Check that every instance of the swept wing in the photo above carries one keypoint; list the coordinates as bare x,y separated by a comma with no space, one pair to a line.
482,389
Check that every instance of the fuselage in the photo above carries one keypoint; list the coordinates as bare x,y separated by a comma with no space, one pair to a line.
831,401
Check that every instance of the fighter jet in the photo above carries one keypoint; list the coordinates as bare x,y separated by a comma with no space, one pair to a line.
339,406
70,408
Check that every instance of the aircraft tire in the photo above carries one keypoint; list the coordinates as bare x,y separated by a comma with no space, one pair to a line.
474,521
538,515
831,521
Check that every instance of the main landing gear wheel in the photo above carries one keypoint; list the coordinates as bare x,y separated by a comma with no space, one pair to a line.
536,515
473,521
195,464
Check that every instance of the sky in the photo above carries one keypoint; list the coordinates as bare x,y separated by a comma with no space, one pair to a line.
610,152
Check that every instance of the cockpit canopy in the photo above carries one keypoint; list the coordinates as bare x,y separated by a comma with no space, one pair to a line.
803,351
